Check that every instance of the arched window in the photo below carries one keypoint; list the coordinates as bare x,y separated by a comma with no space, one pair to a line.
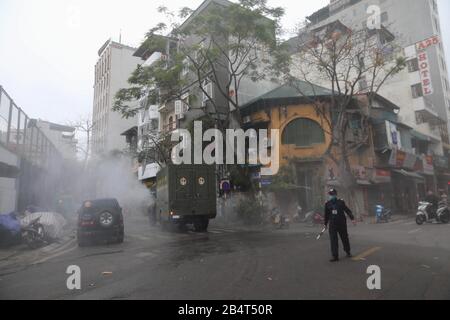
303,133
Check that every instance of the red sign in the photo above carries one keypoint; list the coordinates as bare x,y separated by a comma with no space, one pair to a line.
381,176
425,74
428,167
423,45
401,159
383,173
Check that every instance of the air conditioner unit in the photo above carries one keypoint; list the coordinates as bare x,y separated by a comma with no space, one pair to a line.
178,107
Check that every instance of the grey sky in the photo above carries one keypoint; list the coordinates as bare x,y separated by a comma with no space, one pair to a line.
48,48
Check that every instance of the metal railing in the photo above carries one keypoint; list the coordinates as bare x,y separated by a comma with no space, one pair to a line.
20,135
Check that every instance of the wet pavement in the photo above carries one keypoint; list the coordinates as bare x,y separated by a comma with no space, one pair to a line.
238,263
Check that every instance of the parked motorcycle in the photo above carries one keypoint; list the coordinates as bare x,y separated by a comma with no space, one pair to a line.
383,214
34,234
279,220
297,218
315,218
442,215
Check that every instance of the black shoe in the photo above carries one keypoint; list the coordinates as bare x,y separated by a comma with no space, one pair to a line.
334,260
349,255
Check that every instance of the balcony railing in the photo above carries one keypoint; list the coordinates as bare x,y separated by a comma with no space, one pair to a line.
20,135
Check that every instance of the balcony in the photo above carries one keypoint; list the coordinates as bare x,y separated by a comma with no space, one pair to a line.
171,127
166,108
148,116
156,56
425,110
148,172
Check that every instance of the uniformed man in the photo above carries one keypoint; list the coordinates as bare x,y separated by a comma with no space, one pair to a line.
336,222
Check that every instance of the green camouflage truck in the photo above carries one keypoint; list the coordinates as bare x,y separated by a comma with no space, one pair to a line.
186,194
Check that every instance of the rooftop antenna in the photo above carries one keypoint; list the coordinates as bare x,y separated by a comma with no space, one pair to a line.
120,36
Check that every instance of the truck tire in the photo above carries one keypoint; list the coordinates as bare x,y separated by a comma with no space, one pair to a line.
201,225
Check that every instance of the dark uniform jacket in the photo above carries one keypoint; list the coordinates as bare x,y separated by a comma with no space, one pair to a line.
335,211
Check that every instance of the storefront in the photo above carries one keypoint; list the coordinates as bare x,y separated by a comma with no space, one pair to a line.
380,191
407,184
405,187
442,174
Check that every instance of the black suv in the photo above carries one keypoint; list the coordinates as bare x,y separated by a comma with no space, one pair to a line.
100,220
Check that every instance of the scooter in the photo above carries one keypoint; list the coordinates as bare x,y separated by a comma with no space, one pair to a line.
278,220
314,218
442,215
383,214
34,234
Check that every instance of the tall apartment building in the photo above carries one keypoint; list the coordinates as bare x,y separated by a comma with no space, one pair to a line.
112,71
411,21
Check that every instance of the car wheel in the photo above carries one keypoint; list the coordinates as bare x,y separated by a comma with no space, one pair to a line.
106,219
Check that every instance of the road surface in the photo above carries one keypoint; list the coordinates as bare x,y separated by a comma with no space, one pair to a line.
236,264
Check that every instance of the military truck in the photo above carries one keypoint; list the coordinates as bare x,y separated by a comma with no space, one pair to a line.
186,195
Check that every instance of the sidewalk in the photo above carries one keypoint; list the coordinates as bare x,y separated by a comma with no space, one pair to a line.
21,255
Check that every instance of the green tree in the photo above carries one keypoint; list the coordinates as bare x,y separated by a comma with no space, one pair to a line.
224,45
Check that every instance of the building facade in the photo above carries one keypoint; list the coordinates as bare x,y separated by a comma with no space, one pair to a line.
191,104
383,174
62,137
424,103
112,71
31,166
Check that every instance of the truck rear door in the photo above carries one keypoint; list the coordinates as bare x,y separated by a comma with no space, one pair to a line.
184,185
202,185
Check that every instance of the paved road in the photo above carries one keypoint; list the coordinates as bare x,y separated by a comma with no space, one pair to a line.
237,264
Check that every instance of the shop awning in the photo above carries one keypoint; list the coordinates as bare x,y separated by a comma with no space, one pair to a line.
423,137
408,174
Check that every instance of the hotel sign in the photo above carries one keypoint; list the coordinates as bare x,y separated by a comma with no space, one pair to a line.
381,176
425,73
423,45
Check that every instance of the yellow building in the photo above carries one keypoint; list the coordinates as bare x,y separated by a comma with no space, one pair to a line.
303,117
